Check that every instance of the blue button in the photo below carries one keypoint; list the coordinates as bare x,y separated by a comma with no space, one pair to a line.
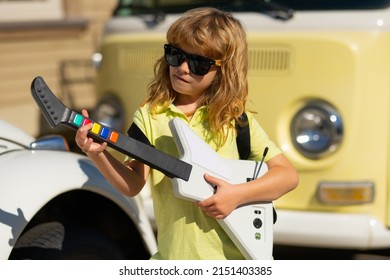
104,132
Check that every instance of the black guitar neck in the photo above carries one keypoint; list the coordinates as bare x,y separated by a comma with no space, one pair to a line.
57,113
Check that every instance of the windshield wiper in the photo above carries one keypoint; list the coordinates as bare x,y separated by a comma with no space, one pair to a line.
135,9
272,8
276,10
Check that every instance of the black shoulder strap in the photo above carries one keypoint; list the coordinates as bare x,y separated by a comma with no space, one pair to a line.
243,138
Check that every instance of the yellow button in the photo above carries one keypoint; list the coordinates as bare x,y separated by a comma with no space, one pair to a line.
95,128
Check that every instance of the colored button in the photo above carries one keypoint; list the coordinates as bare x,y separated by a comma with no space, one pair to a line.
78,119
104,132
86,121
113,137
96,128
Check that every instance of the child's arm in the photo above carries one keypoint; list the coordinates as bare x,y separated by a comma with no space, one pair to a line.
280,179
128,178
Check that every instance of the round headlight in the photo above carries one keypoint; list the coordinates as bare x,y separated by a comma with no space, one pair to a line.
109,112
96,59
317,130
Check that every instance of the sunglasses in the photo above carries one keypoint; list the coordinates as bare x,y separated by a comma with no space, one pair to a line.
199,65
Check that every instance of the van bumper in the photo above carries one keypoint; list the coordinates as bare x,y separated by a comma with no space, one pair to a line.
330,230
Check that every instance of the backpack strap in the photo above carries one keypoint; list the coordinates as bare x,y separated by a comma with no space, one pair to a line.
243,138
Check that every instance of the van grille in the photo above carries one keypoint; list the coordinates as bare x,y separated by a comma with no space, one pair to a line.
138,61
271,60
262,60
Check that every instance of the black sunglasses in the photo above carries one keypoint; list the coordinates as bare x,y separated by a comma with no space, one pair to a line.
199,65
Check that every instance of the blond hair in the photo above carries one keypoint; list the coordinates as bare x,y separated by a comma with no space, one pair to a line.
219,36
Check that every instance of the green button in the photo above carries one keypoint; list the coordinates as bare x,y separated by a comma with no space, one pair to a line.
78,120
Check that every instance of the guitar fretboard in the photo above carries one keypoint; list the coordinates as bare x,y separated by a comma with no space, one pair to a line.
57,113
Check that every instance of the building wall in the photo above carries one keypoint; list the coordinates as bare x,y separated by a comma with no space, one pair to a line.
45,48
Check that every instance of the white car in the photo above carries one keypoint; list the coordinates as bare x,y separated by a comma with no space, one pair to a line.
55,204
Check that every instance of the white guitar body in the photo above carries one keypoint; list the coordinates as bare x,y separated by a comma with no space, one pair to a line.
249,226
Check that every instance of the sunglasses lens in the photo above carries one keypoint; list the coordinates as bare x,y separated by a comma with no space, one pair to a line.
198,65
174,57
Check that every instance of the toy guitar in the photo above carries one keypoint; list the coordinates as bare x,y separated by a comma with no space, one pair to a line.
249,226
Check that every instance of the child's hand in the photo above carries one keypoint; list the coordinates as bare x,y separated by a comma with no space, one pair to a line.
86,144
223,202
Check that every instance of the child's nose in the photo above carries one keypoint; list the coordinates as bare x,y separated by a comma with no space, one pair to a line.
184,67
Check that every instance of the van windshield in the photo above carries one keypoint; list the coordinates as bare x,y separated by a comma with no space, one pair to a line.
335,4
131,7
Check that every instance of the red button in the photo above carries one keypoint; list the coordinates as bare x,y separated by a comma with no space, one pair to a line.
86,121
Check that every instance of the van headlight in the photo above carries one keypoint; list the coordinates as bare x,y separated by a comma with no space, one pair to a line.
317,129
97,59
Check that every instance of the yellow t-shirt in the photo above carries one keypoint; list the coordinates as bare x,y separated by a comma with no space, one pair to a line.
184,231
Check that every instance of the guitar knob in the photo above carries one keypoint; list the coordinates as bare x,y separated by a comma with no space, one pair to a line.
257,223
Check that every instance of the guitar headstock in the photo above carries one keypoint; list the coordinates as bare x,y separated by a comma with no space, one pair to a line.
52,108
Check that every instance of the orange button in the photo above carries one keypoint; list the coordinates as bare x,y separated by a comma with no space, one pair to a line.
113,137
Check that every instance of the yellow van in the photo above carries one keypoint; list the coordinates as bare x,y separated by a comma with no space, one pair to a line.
319,80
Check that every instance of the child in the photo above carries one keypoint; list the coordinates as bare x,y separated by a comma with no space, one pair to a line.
201,79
